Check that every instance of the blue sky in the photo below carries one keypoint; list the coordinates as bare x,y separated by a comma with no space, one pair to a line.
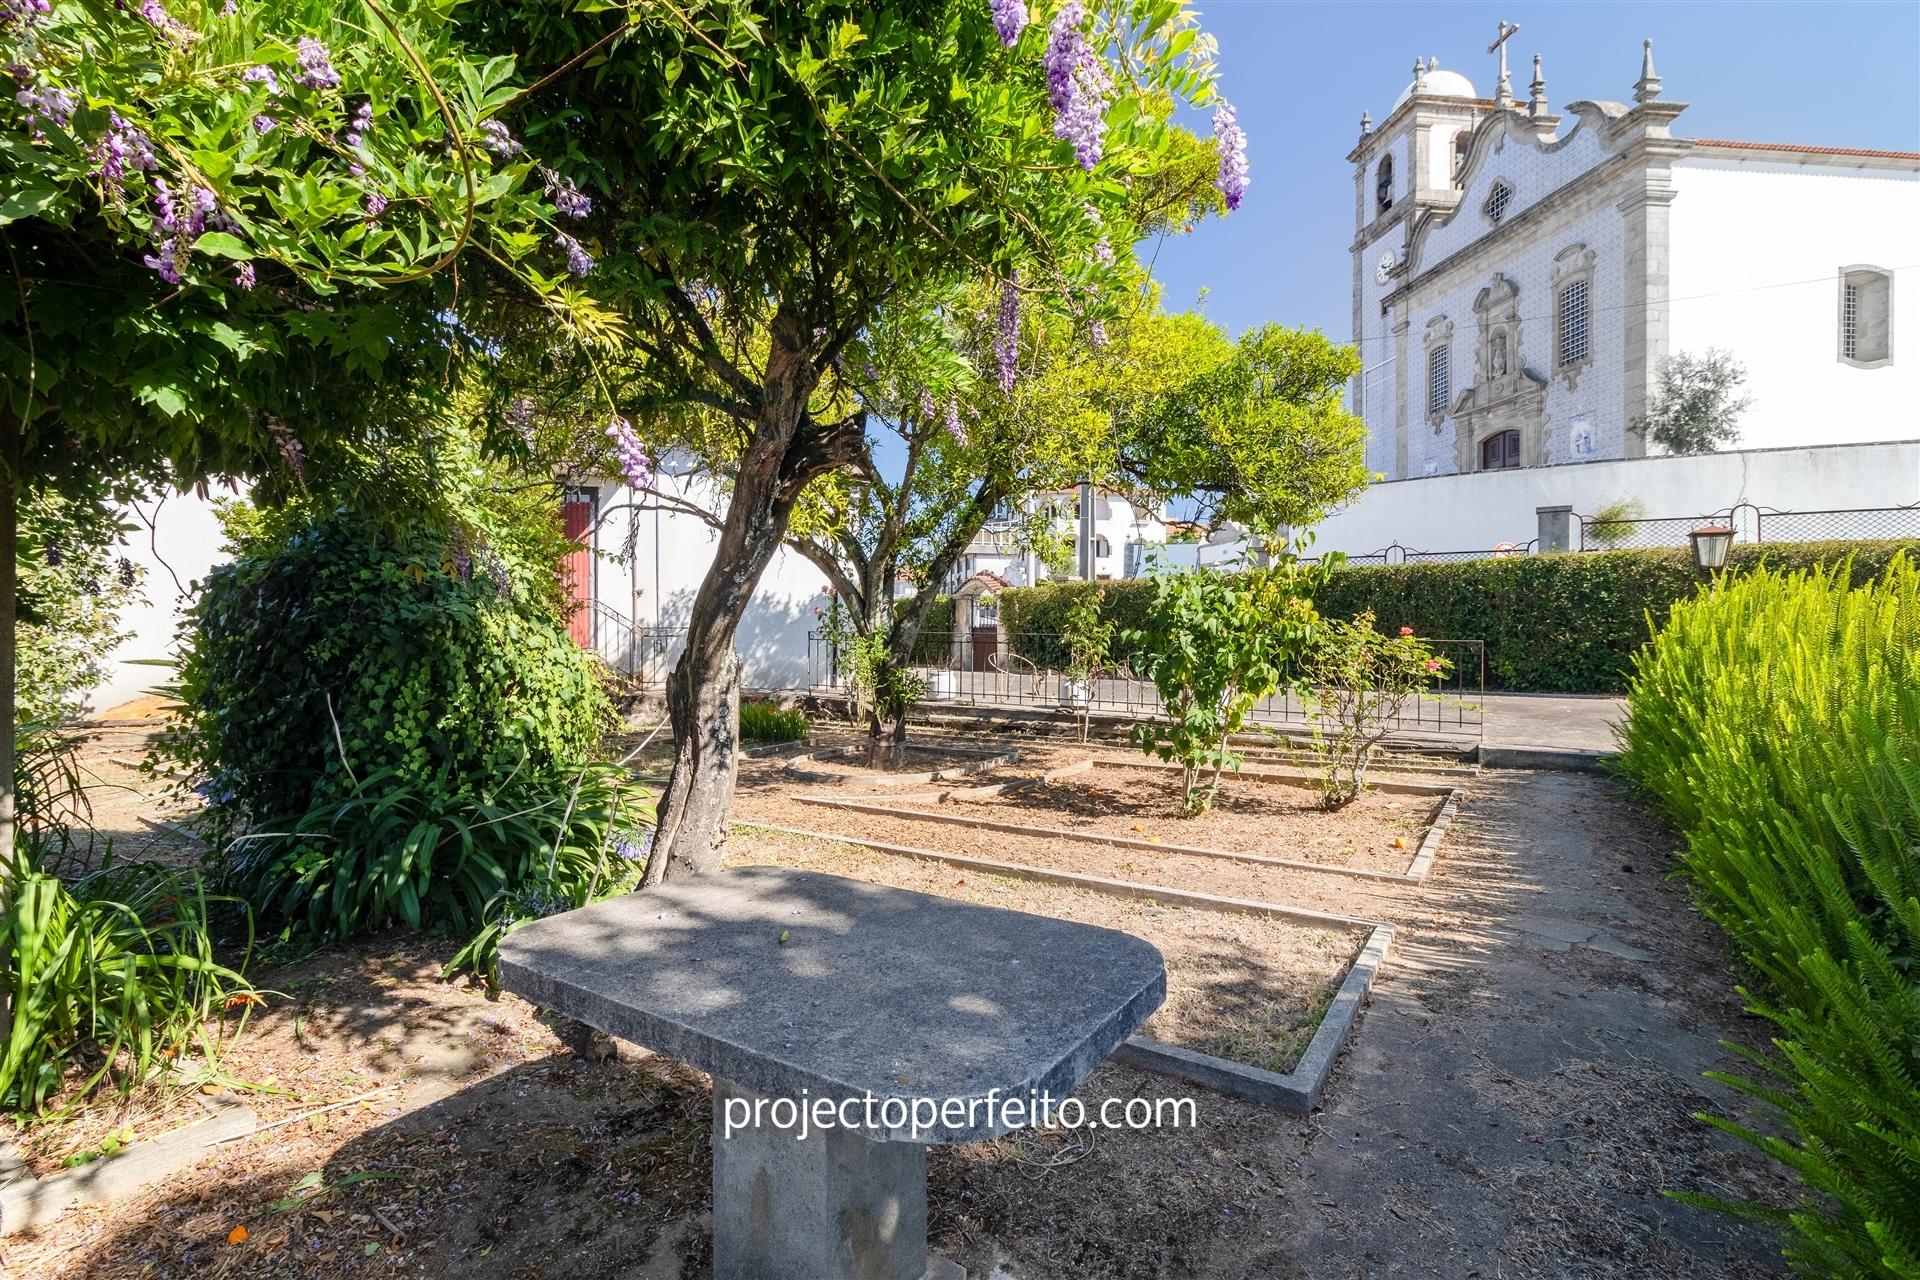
1829,74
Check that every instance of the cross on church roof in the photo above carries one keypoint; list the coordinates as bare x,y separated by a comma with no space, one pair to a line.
1503,91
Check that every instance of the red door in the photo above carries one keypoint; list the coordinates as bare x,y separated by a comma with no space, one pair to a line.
576,571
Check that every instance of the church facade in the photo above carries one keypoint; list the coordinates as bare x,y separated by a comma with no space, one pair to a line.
1519,276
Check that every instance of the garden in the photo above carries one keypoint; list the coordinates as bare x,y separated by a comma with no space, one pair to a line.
393,934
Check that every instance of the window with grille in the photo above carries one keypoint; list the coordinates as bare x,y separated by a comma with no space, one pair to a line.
1576,323
1866,316
1439,379
1498,201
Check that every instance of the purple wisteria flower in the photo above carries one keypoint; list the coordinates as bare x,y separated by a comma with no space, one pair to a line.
1097,334
1231,140
50,105
243,276
1009,19
954,426
1006,345
263,124
289,447
23,14
157,16
633,457
376,204
228,9
176,228
568,200
497,140
316,65
579,261
263,75
361,124
124,147
1103,252
496,570
1078,85
926,406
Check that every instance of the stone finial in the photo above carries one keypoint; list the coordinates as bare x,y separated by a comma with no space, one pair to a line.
1647,87
1366,123
1419,76
1537,95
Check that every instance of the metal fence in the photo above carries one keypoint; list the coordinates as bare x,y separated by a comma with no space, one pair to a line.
1751,524
1394,553
646,654
1028,671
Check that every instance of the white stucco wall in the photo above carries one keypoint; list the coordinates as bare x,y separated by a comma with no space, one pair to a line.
1480,510
654,587
175,540
1757,252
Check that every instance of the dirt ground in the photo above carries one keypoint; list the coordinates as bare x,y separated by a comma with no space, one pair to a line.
1378,832
1516,1101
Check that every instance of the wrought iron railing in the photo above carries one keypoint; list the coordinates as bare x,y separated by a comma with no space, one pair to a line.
1024,670
1751,524
646,654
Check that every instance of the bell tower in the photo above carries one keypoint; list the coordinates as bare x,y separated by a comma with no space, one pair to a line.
1402,170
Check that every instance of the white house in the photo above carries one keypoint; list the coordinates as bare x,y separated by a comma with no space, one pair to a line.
1121,535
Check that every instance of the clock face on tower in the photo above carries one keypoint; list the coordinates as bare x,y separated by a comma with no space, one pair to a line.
1385,266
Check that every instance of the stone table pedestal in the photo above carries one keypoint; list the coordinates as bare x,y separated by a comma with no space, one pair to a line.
847,1026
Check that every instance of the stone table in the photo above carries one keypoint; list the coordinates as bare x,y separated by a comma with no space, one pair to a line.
890,1019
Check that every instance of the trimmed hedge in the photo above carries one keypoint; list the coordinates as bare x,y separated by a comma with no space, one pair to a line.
1552,624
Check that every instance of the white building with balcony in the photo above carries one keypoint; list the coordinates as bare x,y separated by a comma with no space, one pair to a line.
1120,534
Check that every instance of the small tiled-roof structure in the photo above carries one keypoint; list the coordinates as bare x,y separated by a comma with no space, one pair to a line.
983,581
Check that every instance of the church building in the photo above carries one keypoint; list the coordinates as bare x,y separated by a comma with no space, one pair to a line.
1519,276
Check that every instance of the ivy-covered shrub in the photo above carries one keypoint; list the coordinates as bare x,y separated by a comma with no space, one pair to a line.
337,650
1552,624
1776,719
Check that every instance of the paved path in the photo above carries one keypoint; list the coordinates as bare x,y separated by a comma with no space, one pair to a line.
1578,722
1520,1092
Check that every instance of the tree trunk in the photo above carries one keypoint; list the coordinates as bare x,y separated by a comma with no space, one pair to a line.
703,693
886,737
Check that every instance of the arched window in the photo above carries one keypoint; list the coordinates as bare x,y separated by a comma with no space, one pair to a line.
1383,185
1461,141
1500,451
1101,547
1866,316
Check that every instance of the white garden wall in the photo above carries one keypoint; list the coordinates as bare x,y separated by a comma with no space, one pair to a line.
1480,510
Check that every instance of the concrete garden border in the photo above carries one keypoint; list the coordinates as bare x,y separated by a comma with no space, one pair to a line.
1417,868
990,758
1298,1090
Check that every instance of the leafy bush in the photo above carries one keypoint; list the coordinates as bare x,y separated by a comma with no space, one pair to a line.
114,971
334,652
768,722
1217,644
1551,623
396,851
1359,680
1776,718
